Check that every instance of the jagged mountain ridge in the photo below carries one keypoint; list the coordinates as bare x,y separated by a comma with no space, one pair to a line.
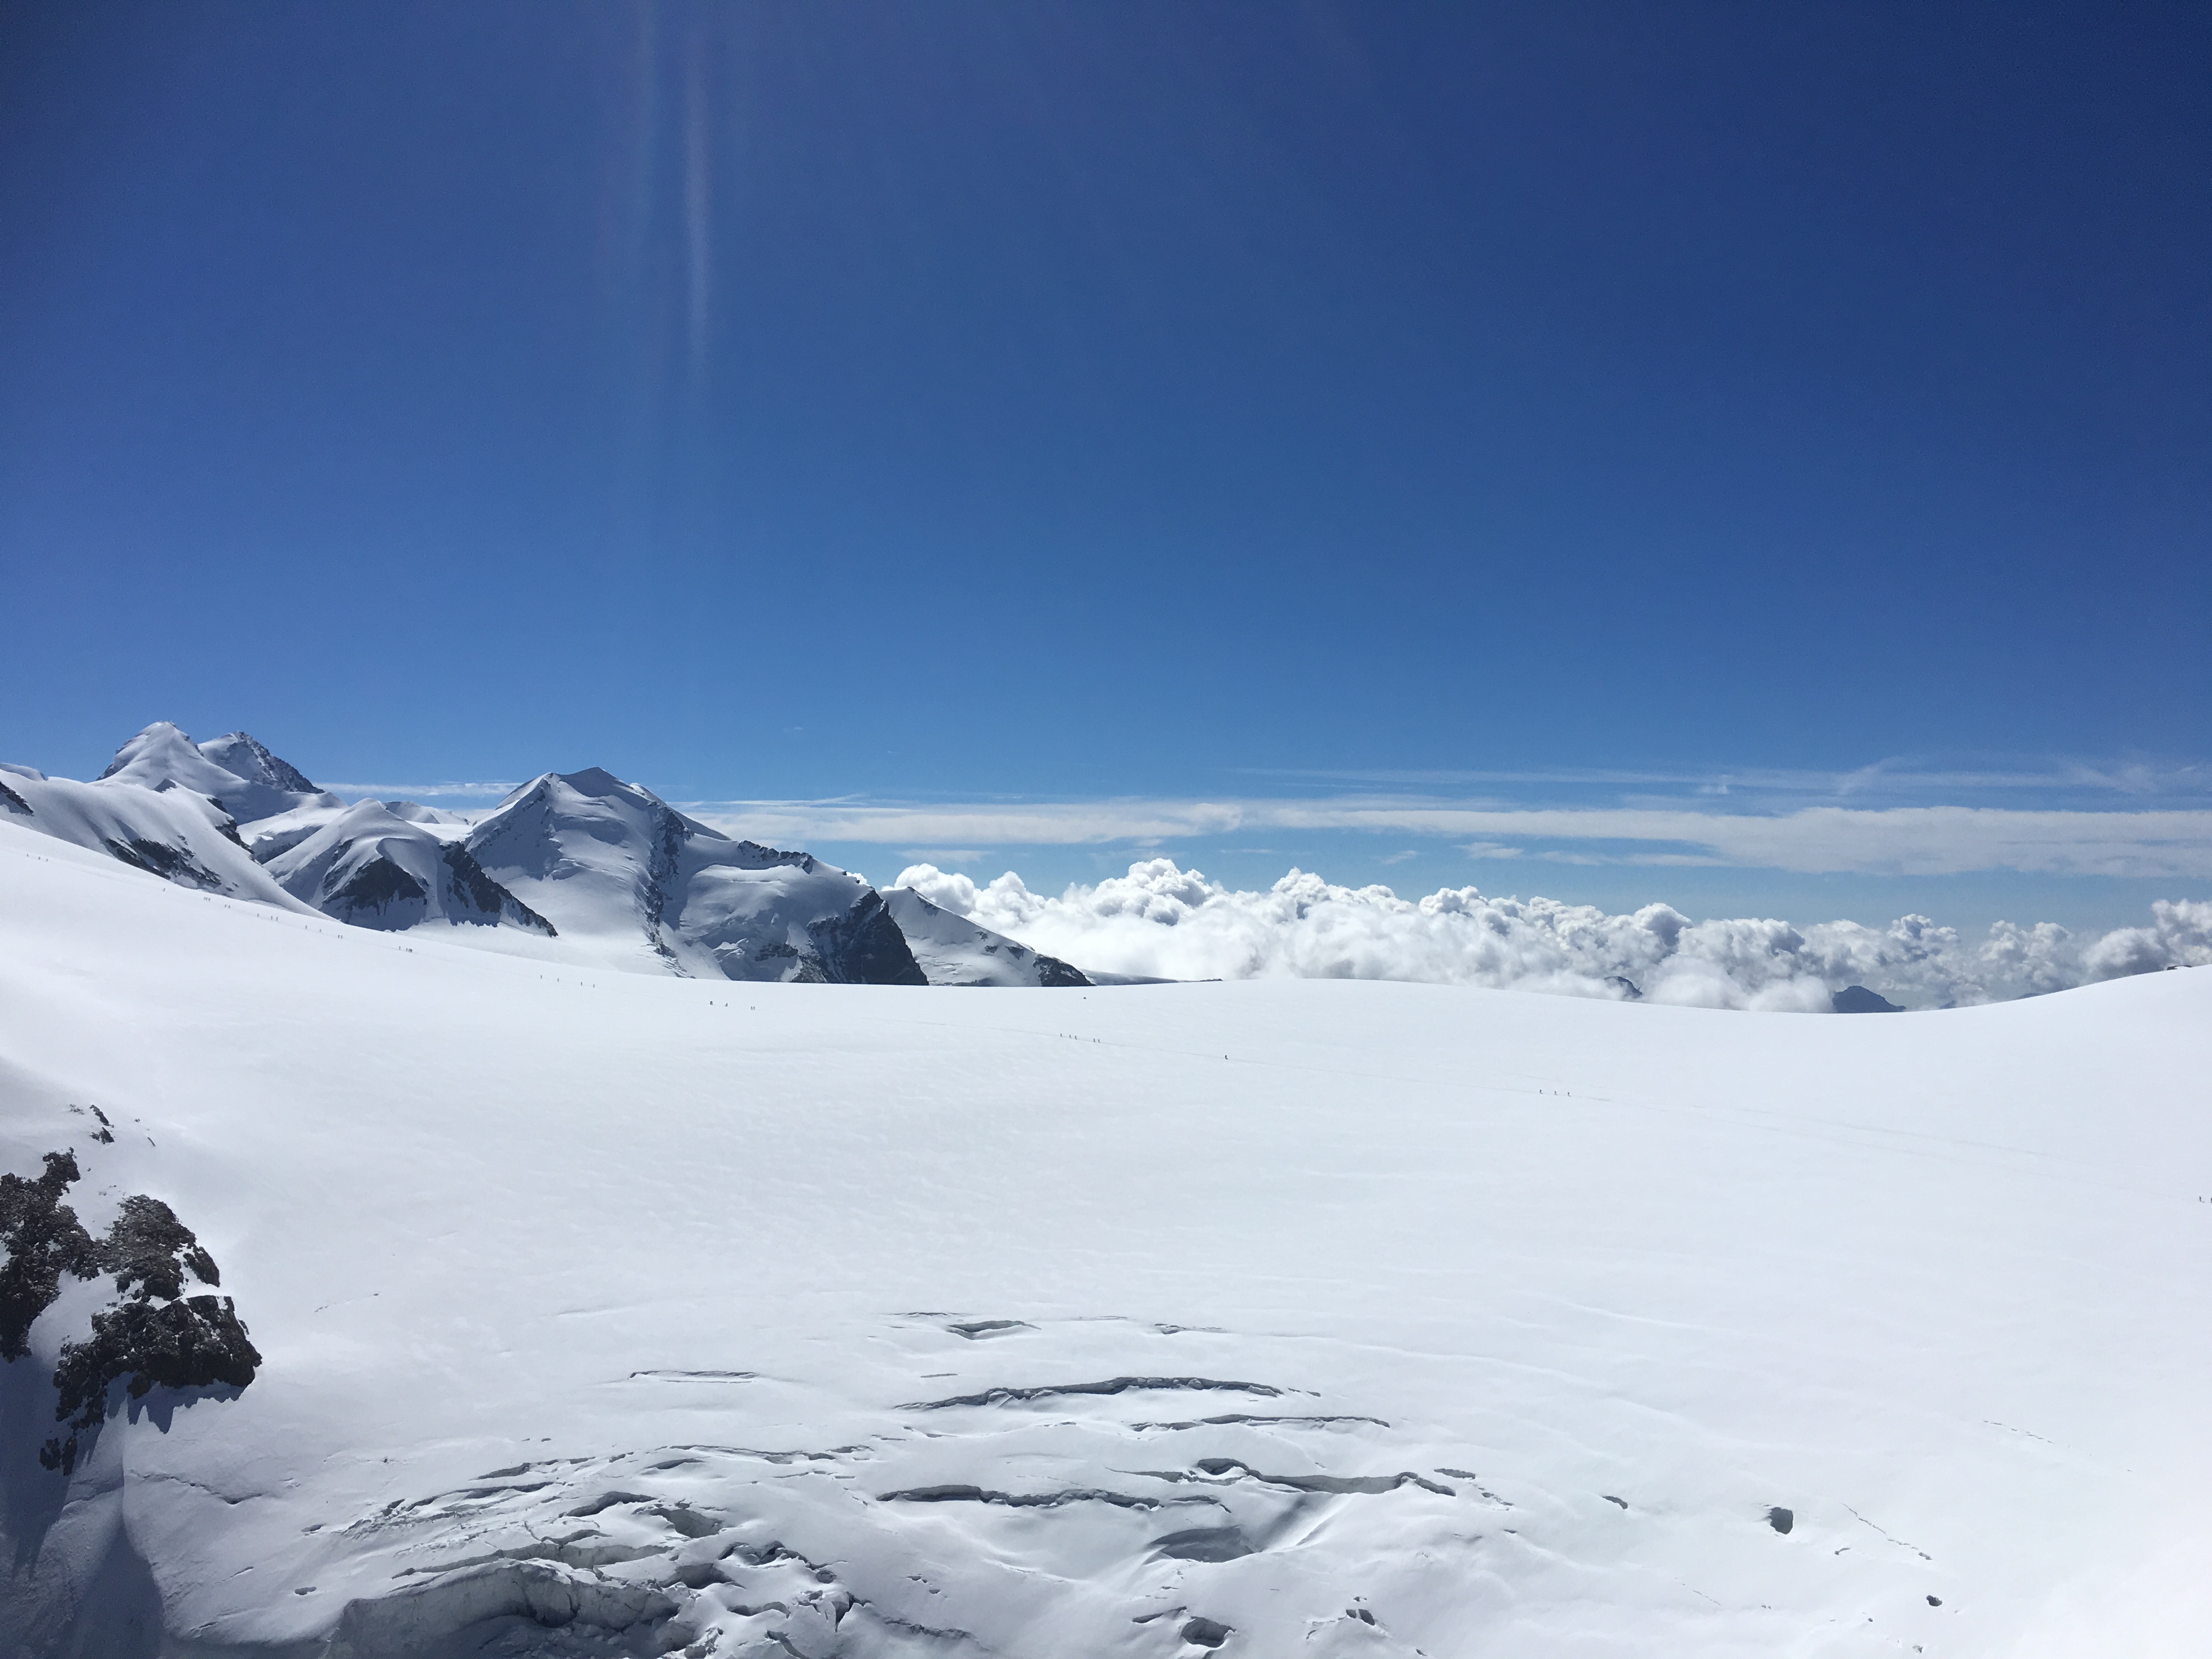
577,867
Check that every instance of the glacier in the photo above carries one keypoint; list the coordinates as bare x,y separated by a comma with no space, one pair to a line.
606,1313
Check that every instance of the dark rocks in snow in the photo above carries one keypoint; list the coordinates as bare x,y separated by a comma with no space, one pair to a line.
13,802
44,1240
1781,1519
149,1250
1209,1632
193,1342
1630,991
1857,1000
151,1333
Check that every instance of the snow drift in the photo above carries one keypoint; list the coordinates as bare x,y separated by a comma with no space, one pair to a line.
1168,923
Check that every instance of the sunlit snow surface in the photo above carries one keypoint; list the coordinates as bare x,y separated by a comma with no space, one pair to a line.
605,1314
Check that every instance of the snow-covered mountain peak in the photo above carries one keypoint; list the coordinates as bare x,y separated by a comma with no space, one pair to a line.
242,753
235,770
610,862
158,751
600,869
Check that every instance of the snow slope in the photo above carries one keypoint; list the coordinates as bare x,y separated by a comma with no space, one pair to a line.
174,833
614,1314
954,951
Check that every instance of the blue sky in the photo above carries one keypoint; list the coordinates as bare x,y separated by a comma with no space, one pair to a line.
1265,434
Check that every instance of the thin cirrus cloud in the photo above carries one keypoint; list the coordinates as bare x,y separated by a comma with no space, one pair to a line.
2168,842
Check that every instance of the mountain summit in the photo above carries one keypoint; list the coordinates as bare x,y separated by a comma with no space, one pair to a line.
234,771
574,866
618,870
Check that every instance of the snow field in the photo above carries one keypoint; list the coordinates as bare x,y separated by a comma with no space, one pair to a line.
602,1310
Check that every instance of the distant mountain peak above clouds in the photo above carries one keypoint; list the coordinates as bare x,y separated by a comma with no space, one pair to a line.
609,861
580,866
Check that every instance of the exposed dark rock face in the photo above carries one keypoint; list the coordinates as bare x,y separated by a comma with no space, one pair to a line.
13,802
864,946
368,897
159,858
149,1250
190,1343
44,1240
1857,1000
472,895
1629,989
1060,975
152,1333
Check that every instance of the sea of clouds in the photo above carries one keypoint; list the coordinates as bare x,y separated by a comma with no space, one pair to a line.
1163,921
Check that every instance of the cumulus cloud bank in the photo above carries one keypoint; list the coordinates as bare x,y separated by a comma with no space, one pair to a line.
1160,920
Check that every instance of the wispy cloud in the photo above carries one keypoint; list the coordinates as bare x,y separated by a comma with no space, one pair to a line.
2173,842
487,790
1897,775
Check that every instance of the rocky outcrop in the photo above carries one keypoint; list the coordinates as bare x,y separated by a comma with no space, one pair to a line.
151,1332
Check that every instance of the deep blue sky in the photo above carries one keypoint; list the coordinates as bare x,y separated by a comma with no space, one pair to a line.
954,401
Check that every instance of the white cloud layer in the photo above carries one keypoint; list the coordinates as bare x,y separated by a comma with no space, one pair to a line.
2171,844
1160,920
